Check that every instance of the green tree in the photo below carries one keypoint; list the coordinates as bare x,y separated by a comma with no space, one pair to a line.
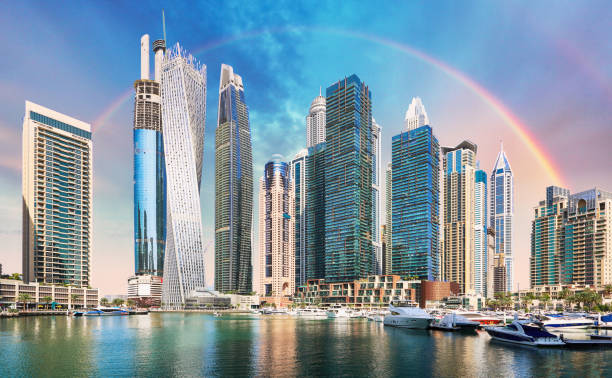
15,276
528,299
545,299
104,302
25,299
73,298
130,303
47,300
117,302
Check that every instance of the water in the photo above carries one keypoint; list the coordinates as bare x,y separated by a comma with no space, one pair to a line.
199,344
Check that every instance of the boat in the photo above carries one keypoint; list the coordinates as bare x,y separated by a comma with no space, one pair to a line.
377,316
482,319
217,314
604,321
565,322
454,321
312,313
337,311
407,314
103,311
525,333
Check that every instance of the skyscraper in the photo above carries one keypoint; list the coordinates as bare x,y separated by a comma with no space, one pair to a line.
480,233
502,211
276,231
149,170
57,198
388,216
183,82
299,179
570,238
315,212
458,255
233,187
315,122
416,116
348,181
415,203
376,163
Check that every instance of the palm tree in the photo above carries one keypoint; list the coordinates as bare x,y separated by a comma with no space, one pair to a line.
73,298
130,303
545,299
117,302
608,290
24,298
528,299
104,302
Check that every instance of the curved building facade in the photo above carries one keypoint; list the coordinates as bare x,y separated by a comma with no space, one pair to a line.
184,113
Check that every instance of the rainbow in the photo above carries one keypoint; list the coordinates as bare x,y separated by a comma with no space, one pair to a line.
111,109
510,119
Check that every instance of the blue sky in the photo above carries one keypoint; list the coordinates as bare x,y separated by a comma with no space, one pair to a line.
547,61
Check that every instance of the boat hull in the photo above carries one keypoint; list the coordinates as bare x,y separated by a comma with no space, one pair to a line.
401,321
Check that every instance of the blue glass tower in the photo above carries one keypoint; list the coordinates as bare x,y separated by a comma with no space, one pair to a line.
149,180
348,181
415,204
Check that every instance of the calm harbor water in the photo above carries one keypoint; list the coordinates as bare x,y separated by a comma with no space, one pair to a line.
199,344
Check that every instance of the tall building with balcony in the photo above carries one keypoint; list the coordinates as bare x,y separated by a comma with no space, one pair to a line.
415,204
276,231
481,262
183,82
57,198
315,212
149,170
501,213
571,238
376,164
299,180
458,183
233,187
315,122
348,181
388,216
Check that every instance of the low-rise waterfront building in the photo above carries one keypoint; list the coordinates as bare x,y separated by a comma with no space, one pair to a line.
14,293
146,290
206,299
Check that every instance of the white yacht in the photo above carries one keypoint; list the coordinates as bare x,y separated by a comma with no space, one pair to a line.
337,311
565,322
312,313
457,321
407,315
522,332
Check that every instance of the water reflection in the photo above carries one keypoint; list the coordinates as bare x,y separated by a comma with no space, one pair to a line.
201,345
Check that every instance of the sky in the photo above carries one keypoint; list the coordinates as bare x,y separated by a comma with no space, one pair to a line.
535,75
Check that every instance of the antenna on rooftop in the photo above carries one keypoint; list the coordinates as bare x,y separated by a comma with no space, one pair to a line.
164,24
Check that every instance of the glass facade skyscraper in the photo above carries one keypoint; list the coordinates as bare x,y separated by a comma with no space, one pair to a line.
348,181
57,198
415,204
481,261
183,82
376,163
388,216
149,176
315,212
233,187
299,179
501,212
315,122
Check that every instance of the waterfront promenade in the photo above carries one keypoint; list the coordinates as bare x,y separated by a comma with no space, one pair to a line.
196,344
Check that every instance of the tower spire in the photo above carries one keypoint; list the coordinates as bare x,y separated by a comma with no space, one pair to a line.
319,90
501,143
164,24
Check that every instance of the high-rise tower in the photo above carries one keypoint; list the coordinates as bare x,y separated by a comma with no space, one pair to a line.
459,180
415,204
276,231
388,217
348,181
233,187
183,83
149,170
300,180
416,116
315,122
481,261
376,163
57,198
501,213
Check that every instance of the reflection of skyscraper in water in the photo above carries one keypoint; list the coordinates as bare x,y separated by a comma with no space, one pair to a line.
277,348
183,118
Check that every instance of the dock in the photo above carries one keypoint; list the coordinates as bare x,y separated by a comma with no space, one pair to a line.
593,343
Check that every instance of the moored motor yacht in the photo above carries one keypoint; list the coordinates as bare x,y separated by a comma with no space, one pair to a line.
525,333
457,321
482,319
312,313
103,311
407,315
565,322
337,311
